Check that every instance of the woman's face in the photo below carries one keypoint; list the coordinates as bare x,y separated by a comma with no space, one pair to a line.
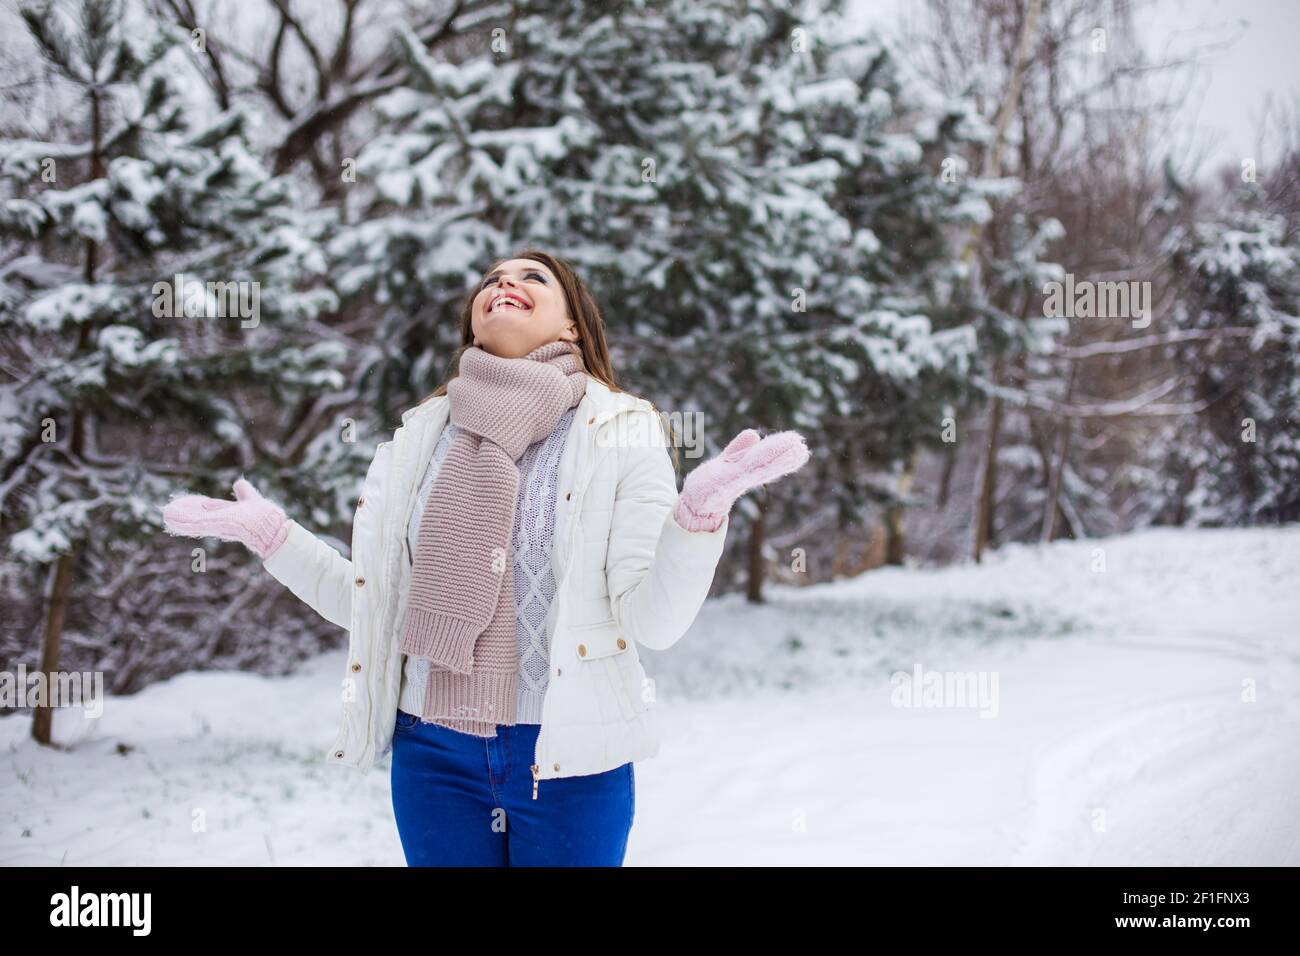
519,307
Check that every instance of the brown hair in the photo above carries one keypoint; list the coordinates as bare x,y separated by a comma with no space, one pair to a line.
582,308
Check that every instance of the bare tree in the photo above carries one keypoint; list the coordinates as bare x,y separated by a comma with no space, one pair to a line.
320,66
1078,110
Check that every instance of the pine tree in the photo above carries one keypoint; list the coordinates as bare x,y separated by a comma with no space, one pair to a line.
156,298
756,198
1240,452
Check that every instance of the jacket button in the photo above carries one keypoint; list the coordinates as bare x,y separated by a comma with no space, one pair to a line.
557,766
557,672
582,650
361,501
622,644
591,419
356,667
361,582
338,755
568,495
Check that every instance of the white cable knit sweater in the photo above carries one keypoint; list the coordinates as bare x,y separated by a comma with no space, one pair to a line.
534,583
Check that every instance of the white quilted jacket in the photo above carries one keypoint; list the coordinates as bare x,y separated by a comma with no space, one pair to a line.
626,573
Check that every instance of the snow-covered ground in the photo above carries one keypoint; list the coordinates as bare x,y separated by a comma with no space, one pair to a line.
1147,711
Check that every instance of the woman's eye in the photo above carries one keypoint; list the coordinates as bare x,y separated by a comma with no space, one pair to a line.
490,279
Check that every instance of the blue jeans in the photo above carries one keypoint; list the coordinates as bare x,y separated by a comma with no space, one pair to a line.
464,800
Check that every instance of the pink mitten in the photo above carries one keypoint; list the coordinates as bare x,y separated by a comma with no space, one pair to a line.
747,462
251,519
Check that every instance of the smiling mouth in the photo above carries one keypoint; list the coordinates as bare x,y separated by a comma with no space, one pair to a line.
506,303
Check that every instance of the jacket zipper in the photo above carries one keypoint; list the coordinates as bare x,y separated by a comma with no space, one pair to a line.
379,601
546,698
400,531
573,532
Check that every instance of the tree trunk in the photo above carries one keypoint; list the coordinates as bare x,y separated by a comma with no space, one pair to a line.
993,156
1052,504
52,642
43,718
754,586
895,543
992,169
988,482
1184,489
945,479
842,545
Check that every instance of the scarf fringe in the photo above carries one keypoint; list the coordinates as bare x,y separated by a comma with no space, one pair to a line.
466,702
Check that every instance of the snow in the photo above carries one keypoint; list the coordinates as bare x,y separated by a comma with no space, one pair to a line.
838,91
127,346
1124,735
47,535
971,209
136,187
27,158
90,222
896,150
74,302
866,242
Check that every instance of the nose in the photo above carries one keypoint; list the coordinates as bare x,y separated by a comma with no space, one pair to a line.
505,282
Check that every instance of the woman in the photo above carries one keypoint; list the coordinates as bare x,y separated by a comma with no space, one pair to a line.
515,540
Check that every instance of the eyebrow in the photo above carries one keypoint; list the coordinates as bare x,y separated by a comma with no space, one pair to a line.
497,272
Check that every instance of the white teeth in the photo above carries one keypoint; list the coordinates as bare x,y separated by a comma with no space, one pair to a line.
509,300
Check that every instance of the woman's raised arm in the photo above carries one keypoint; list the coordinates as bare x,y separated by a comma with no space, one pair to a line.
306,565
664,547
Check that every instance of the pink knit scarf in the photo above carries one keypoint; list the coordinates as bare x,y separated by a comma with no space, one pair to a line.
461,609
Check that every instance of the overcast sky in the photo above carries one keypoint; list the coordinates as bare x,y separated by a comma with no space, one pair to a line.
1224,108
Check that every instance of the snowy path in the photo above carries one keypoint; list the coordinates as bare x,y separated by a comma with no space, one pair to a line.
1121,735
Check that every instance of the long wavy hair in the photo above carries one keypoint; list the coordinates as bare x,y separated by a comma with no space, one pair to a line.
591,345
